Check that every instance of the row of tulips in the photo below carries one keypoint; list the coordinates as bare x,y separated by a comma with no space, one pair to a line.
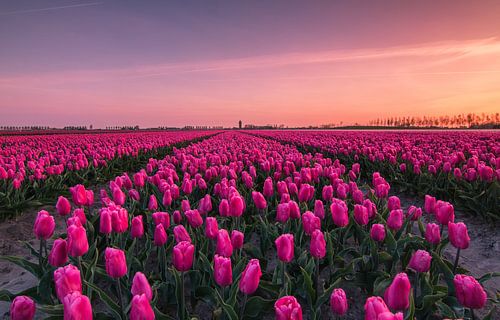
461,166
242,224
32,168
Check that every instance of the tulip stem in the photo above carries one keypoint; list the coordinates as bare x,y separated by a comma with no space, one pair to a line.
316,262
472,315
40,257
416,284
243,305
455,265
119,289
183,299
283,271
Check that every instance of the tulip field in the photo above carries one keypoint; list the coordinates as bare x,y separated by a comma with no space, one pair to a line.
252,224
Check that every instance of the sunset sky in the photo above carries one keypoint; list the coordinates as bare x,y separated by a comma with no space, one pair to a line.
175,63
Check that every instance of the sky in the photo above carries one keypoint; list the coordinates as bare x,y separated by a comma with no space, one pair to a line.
197,62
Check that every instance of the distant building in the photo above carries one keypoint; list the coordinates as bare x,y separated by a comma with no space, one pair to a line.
240,124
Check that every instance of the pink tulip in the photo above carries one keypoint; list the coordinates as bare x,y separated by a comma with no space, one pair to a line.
420,261
294,210
318,244
393,203
360,214
119,218
67,279
236,206
287,308
377,232
338,302
58,256
414,213
22,308
79,195
259,200
118,196
444,212
340,217
223,272
77,241
224,245
395,219
375,306
140,308
469,292
63,206
76,307
397,295
211,228
177,217
285,247
432,233
430,204
140,285
152,203
163,218
459,237
182,256
160,236
116,264
250,277
181,234
319,209
44,225
105,221
194,218
237,238
283,212
268,188
137,228
310,222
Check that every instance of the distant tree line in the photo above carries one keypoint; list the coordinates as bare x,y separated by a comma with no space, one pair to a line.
23,128
469,120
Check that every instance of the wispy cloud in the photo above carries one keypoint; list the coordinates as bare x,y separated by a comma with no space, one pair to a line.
433,54
50,8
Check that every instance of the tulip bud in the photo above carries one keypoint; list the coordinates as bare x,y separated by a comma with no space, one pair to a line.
319,209
395,219
160,236
194,218
259,200
361,214
119,218
137,229
430,204
318,244
22,308
118,196
77,306
397,295
285,247
393,203
79,195
420,261
375,306
67,279
432,233
294,210
445,212
469,292
268,188
163,218
44,225
58,256
223,272
116,264
105,224
77,241
414,213
340,217
63,206
338,302
182,256
236,206
283,212
287,308
237,238
459,237
140,308
211,228
140,285
181,234
250,277
224,208
377,232
310,222
224,245
153,203
177,217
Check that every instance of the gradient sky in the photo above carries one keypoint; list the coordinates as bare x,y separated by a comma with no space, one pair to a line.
174,63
